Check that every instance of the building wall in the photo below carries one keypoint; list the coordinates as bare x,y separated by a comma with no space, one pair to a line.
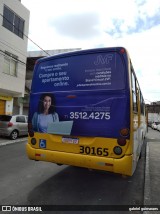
13,86
153,117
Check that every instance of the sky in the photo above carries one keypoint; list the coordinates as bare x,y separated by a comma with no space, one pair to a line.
133,24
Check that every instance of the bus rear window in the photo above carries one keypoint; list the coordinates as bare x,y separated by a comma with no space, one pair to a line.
96,71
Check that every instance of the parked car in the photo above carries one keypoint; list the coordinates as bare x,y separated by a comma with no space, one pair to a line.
154,125
13,126
158,127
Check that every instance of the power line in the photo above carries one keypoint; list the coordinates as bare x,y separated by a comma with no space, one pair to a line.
18,52
38,46
4,54
5,43
12,49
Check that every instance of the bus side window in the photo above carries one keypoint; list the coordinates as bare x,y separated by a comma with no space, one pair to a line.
142,104
134,93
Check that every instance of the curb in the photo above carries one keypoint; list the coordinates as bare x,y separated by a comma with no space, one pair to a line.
147,199
147,183
13,141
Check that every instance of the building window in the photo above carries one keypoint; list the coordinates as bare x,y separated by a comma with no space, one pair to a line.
10,64
13,22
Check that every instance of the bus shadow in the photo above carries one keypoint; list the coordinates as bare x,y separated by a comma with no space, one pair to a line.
81,186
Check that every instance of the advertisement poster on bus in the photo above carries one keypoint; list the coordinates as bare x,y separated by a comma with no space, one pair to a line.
78,95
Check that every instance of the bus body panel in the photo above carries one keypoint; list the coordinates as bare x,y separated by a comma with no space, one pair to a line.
94,146
123,165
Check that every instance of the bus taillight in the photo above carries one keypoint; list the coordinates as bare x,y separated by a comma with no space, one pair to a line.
122,51
124,132
30,130
121,141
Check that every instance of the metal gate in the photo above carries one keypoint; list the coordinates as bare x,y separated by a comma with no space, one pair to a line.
2,106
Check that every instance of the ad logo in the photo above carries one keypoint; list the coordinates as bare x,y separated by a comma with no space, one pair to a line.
103,59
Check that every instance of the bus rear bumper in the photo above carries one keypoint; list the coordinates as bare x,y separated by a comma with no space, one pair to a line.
122,165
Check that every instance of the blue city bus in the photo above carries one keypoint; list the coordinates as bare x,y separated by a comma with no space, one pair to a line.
87,110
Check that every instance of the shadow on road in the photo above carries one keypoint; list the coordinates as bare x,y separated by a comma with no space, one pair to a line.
81,186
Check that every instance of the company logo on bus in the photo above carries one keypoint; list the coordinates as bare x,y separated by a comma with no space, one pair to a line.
101,60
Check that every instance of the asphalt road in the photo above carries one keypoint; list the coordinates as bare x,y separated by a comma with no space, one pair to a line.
26,182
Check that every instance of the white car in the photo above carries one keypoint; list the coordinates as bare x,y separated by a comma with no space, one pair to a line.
155,124
158,127
13,126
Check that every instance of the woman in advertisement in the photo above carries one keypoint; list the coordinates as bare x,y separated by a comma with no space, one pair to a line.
46,113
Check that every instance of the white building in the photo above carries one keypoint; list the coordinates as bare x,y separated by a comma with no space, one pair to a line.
14,25
153,117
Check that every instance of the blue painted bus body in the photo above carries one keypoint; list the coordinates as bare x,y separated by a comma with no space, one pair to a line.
91,91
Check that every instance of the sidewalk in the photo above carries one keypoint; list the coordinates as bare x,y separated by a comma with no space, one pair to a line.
152,175
5,141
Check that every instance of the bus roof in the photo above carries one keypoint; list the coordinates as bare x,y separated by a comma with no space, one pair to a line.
86,51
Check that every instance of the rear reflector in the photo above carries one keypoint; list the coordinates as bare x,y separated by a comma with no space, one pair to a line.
108,164
37,155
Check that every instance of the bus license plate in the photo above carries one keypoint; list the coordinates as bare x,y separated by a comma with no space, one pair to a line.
70,140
